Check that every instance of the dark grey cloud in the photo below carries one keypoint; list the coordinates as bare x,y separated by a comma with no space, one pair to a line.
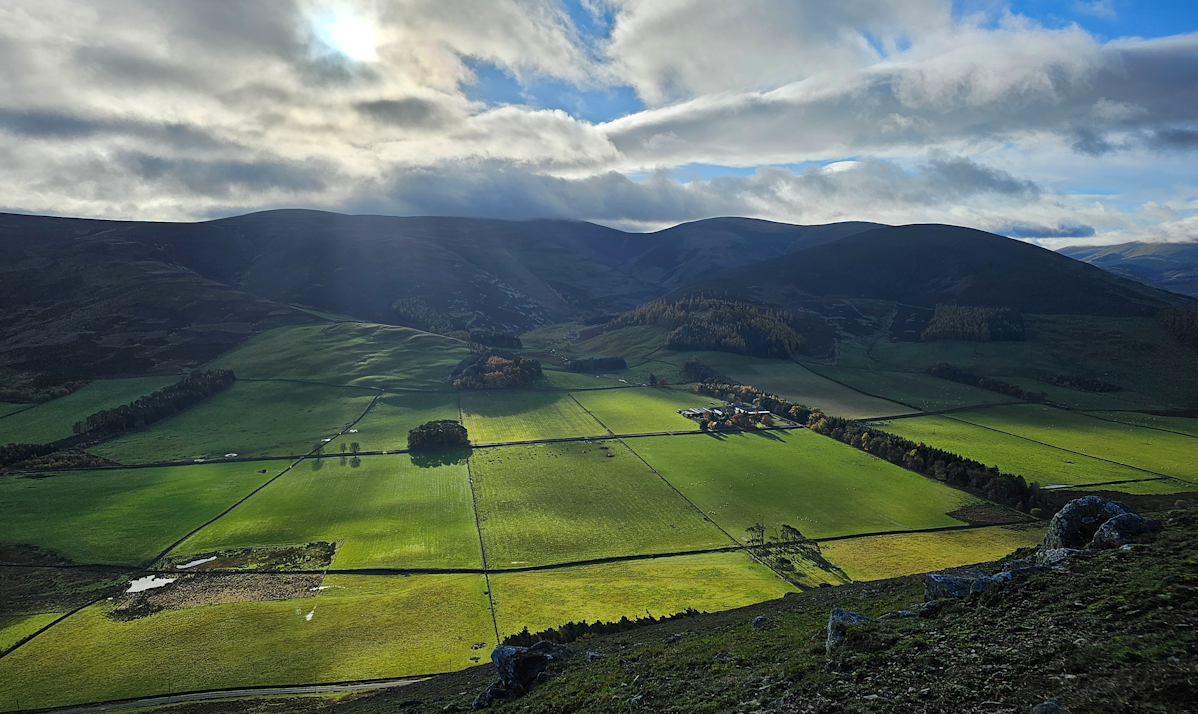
964,176
222,179
1032,231
124,68
1173,139
36,124
409,112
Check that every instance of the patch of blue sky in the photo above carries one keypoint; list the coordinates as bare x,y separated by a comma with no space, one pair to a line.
496,87
1105,18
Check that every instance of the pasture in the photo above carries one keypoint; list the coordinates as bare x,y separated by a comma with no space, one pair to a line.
125,516
557,379
503,415
385,427
14,628
813,483
250,419
349,353
55,419
880,557
6,409
385,512
607,592
643,409
359,628
799,384
922,391
1043,464
555,503
1155,451
1181,425
1150,487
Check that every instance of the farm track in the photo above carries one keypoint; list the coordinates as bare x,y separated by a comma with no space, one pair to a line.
216,694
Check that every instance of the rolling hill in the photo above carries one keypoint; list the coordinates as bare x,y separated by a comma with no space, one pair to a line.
1171,266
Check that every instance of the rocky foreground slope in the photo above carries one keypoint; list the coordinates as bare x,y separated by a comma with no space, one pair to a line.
1108,629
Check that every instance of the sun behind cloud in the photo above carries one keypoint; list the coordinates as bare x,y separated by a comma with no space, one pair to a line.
349,35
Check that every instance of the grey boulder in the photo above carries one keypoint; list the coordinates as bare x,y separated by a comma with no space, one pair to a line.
1075,525
839,623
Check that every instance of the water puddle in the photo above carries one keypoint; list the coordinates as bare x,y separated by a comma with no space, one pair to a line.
148,583
194,563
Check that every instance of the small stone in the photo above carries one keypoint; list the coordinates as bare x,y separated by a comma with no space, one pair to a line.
760,622
594,656
838,623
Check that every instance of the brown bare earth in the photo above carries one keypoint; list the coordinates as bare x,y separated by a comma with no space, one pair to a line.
216,589
309,556
987,514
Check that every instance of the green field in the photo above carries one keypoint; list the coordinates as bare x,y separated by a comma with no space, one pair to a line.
643,409
813,483
359,628
1156,451
250,419
1151,487
797,383
354,353
385,427
122,516
14,628
55,420
1181,425
662,586
386,513
557,379
1045,465
6,408
879,557
556,503
502,415
1078,399
922,391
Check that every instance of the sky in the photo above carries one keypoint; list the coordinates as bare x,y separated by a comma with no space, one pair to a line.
1055,121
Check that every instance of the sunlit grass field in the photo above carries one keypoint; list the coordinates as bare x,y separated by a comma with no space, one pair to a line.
250,419
14,628
662,586
643,409
385,427
360,628
55,419
385,513
879,557
1046,465
813,483
1183,425
124,516
499,416
1156,451
555,503
353,353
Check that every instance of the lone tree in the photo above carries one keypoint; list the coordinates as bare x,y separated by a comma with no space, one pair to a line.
440,434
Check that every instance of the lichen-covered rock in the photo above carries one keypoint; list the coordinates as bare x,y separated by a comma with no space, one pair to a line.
1054,557
519,668
1074,525
760,622
960,583
1121,530
838,624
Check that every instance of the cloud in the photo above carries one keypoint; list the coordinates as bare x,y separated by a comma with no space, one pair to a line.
1104,9
1063,230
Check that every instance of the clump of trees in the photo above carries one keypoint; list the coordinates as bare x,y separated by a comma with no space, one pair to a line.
1181,323
957,471
979,324
157,406
595,365
574,631
704,323
697,371
439,434
488,338
773,549
41,388
1082,384
945,370
492,369
414,312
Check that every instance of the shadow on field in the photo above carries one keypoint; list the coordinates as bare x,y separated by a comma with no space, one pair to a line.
433,459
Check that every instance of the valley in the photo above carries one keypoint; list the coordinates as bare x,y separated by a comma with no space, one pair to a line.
306,544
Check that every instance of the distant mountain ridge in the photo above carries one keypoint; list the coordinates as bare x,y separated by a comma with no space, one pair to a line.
111,297
1171,266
